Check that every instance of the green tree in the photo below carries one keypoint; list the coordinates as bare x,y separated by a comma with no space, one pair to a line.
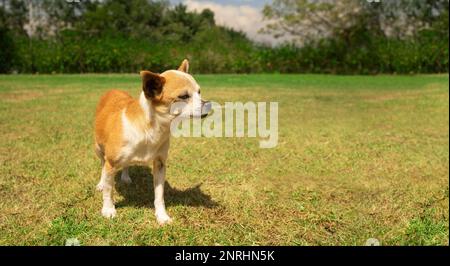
310,20
186,24
315,19
7,50
14,15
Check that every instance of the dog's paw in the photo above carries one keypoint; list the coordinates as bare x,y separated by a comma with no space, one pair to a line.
100,186
109,212
126,179
163,219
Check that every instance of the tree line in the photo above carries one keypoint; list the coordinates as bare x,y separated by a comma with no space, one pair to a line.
344,37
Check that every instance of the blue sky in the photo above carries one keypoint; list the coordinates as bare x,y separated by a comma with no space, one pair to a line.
243,15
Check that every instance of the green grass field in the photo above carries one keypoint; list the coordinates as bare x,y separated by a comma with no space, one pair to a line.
358,157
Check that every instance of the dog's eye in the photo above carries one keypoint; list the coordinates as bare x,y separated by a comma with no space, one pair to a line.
198,91
184,97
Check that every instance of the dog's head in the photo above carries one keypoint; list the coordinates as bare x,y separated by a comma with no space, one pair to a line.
175,93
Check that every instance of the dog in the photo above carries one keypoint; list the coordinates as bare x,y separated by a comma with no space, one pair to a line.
132,131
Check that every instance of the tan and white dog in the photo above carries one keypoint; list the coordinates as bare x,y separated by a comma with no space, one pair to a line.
137,132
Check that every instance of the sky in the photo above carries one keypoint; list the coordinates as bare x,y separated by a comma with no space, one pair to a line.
244,15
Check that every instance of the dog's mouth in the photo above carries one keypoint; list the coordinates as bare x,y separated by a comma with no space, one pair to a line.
206,109
199,116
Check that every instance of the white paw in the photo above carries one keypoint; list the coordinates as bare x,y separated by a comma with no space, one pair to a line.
109,212
126,179
163,219
100,186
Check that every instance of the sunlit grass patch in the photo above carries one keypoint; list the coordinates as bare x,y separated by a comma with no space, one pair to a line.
358,157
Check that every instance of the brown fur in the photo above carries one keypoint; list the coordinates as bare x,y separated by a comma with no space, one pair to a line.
108,125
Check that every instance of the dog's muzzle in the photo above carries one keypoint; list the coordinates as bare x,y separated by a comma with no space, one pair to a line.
206,108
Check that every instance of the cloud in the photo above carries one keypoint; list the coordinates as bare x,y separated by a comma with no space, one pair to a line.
239,17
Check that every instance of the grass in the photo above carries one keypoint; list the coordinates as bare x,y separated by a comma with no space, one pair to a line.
358,157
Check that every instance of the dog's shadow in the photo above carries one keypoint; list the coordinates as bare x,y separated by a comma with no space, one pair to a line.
140,192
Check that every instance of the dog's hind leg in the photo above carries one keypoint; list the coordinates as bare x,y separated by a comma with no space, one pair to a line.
125,177
100,153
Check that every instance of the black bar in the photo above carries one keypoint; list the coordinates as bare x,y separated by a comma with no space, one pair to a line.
226,255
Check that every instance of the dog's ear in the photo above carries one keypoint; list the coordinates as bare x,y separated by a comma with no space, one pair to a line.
152,84
184,66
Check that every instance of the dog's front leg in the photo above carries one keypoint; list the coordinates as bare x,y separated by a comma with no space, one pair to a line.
106,185
159,173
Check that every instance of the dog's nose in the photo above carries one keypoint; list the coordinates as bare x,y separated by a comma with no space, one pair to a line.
206,108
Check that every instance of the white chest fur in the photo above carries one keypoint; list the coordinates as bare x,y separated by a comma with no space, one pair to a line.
140,146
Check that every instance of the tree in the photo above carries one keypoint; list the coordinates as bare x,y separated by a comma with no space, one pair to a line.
61,14
207,16
310,20
317,19
14,15
7,50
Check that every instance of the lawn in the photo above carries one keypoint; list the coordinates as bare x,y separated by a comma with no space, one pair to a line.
358,157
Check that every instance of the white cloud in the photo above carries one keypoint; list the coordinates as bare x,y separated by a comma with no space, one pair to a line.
239,17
